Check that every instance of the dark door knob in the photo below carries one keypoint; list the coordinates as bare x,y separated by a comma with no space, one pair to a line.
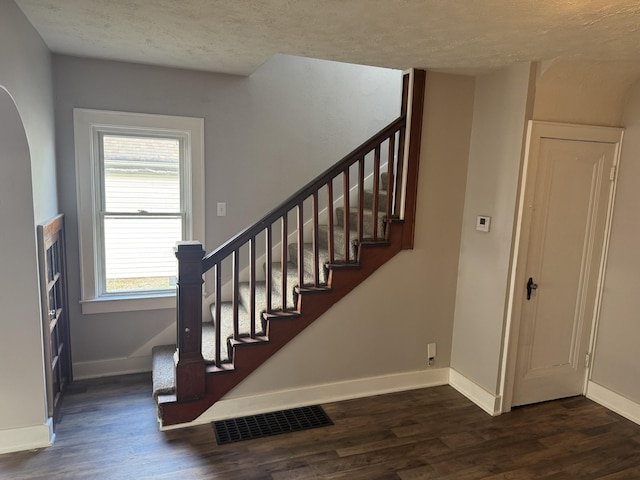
530,286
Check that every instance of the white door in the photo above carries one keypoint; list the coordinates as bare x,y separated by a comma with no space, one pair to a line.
568,193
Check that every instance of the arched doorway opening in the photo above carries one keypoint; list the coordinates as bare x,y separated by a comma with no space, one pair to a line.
23,393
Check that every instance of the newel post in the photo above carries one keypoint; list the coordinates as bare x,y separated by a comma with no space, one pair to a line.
413,102
190,367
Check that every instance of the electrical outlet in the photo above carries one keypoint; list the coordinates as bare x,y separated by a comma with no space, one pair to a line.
431,353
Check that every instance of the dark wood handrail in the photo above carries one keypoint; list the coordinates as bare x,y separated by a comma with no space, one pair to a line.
243,237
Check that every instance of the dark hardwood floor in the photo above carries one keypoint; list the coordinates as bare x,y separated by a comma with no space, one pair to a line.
108,430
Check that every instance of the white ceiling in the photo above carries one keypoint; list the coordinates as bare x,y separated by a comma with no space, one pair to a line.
237,36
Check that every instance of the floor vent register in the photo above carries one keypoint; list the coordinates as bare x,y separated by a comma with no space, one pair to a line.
268,424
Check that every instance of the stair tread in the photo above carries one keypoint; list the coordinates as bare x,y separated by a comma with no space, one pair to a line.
344,266
352,209
372,242
282,315
248,340
166,398
313,289
223,368
163,374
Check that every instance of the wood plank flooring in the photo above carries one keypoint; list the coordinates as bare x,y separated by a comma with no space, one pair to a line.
108,430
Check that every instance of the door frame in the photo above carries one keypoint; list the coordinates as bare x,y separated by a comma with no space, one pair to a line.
536,130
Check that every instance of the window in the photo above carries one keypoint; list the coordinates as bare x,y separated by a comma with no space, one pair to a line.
140,190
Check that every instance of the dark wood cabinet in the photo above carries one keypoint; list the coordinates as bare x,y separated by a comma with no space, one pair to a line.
55,316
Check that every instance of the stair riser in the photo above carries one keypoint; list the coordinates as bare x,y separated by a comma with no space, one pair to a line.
292,282
367,222
383,181
308,262
261,299
368,201
338,242
226,330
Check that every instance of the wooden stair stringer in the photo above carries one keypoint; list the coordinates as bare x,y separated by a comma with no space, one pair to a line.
311,304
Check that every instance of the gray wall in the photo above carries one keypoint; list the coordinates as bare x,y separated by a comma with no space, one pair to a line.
492,184
27,197
26,73
265,136
617,356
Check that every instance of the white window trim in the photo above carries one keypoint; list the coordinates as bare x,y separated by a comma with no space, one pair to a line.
87,124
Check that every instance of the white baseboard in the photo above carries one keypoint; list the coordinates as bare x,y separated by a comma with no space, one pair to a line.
614,401
487,401
318,394
111,367
27,438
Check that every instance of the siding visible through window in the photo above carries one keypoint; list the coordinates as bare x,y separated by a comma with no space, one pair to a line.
142,214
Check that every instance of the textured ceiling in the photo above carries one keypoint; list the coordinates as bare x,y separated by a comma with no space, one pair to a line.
237,36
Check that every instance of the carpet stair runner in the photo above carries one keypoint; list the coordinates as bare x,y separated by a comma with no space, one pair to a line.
163,356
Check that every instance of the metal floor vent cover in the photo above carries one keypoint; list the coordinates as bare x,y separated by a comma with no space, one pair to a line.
267,424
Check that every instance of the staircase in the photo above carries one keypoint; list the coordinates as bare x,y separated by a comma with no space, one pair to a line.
276,277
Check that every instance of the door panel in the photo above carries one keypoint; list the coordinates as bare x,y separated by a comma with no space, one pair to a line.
568,215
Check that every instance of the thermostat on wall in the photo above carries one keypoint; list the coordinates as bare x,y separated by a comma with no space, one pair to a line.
483,223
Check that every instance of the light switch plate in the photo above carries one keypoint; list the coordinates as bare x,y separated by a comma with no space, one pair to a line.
222,209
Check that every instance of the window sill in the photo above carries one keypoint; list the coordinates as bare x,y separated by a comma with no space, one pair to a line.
129,303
